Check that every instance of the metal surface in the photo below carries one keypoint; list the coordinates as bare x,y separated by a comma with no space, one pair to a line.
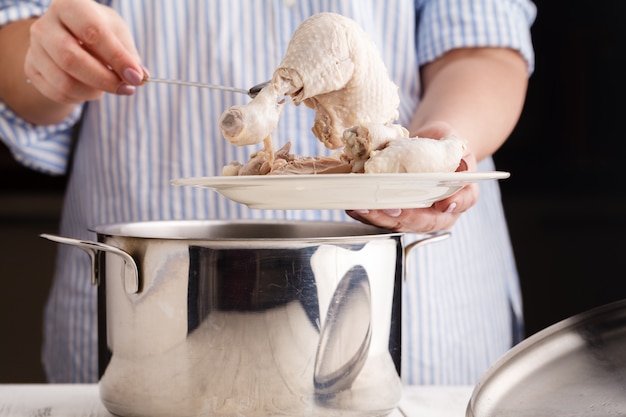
252,92
129,272
347,333
250,318
576,367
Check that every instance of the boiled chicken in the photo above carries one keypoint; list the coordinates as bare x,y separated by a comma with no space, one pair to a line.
284,162
253,122
334,67
417,155
360,141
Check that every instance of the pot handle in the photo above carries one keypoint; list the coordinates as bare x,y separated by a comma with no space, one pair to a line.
431,238
130,272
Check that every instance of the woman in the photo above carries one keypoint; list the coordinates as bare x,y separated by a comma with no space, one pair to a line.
461,67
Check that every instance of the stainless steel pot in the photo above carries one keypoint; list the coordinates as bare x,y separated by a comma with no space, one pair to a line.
249,318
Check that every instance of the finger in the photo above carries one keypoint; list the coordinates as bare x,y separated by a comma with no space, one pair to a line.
460,201
96,30
53,44
108,38
422,220
397,221
54,82
357,215
427,220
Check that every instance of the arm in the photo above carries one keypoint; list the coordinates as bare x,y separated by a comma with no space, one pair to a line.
479,91
75,52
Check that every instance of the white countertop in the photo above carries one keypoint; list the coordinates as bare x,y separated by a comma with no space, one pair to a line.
83,400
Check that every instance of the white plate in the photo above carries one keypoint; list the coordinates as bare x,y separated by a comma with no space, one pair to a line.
340,191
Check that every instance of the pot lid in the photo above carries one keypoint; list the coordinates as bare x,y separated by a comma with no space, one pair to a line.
576,367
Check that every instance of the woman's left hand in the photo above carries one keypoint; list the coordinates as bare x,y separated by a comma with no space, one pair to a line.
440,215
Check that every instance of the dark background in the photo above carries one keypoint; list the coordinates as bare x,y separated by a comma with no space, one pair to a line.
565,199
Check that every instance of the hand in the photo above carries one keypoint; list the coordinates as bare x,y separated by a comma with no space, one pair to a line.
439,216
79,50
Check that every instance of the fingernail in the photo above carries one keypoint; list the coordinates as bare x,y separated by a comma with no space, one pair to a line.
145,75
132,76
450,208
125,90
392,212
361,211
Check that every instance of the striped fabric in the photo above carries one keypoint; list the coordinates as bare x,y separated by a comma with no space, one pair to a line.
462,305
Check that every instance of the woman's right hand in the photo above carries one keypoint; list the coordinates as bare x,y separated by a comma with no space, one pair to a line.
79,50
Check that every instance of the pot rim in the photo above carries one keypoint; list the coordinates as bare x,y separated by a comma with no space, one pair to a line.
248,229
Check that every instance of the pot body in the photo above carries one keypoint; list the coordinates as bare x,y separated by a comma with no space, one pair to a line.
250,319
